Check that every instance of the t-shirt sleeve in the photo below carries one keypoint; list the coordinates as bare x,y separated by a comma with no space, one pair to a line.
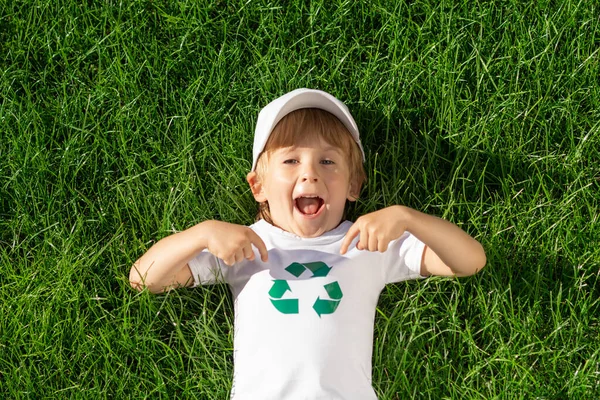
208,269
403,259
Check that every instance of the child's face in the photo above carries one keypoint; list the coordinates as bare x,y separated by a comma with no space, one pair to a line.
306,186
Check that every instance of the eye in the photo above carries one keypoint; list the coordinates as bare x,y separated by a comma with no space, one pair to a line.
290,161
327,162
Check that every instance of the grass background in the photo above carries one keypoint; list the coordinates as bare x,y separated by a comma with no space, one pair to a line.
122,122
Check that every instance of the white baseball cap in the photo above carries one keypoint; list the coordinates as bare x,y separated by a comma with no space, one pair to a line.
297,99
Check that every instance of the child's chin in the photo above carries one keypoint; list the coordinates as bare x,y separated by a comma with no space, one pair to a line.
311,227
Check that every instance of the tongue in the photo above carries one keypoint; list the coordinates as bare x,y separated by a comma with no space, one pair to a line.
307,205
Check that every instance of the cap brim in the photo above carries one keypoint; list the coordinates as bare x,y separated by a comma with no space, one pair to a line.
296,100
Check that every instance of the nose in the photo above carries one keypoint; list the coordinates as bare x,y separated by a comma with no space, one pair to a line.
309,174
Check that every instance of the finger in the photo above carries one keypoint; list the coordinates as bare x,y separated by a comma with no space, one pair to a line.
248,252
350,236
229,261
363,243
239,255
373,242
382,245
260,246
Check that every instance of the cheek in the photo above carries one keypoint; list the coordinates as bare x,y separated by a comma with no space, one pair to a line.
281,178
339,177
279,184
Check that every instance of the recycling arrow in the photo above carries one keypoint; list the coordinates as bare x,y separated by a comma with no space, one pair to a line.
333,290
285,306
280,286
323,306
291,306
318,268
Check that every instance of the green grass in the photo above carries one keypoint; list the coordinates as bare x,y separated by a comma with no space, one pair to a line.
122,122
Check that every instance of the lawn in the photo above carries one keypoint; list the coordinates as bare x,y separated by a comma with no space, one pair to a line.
123,122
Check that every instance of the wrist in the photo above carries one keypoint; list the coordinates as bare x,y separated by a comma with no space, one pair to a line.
200,233
407,215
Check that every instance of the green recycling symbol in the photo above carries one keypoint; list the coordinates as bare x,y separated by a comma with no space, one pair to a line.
291,306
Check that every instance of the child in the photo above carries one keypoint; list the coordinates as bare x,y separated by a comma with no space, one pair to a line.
305,283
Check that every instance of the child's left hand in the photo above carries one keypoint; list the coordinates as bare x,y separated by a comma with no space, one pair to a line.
376,229
449,250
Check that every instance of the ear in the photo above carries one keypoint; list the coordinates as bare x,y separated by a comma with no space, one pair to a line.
353,191
256,187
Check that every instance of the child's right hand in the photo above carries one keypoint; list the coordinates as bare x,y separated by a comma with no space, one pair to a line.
165,265
232,243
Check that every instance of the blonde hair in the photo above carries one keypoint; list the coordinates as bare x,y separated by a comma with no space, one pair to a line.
311,124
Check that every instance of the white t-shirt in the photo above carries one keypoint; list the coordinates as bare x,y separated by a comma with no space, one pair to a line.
304,319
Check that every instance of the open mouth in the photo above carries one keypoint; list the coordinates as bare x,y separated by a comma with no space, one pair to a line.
309,205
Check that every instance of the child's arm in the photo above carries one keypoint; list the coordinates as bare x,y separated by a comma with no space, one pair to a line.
165,265
449,251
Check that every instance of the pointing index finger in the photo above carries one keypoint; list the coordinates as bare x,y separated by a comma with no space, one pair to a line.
260,246
350,236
